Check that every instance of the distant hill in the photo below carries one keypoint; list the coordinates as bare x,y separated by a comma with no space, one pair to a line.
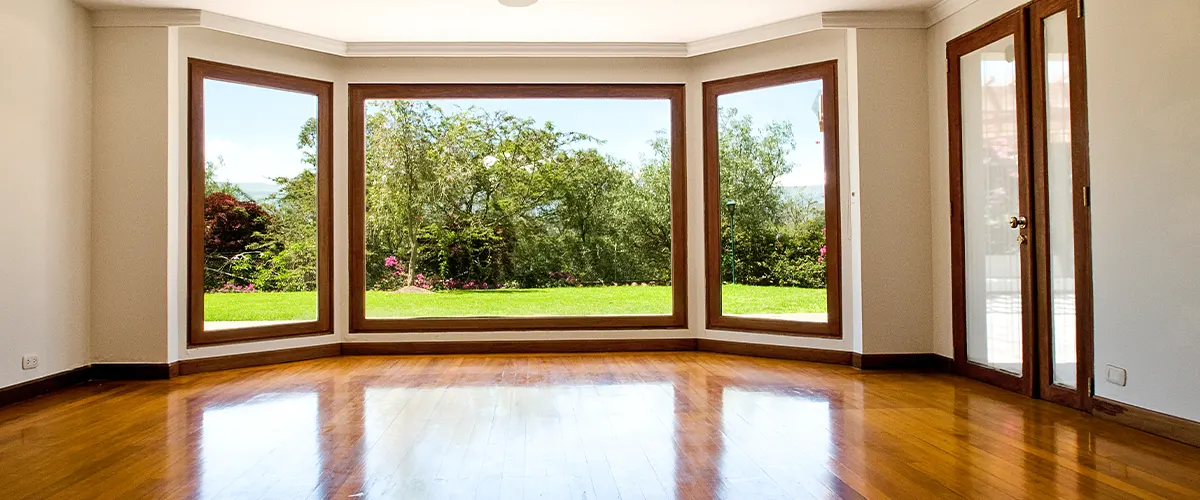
259,191
815,193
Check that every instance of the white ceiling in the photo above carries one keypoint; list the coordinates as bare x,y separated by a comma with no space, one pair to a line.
488,21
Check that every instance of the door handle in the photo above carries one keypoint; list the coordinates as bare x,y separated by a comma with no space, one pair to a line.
1018,222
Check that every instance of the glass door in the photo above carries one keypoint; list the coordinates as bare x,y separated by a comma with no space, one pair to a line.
1020,223
991,205
1061,176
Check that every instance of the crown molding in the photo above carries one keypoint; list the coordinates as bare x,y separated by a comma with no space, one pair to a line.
493,49
944,9
146,18
773,31
752,36
898,19
251,29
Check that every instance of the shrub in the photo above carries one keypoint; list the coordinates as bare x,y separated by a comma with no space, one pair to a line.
231,226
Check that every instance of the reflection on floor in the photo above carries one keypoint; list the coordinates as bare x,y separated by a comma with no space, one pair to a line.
673,425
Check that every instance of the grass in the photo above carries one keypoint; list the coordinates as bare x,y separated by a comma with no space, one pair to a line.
587,301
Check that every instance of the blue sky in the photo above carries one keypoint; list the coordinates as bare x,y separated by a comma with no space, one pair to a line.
256,129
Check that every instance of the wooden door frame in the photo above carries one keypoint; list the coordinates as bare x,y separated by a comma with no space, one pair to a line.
1080,397
1015,24
1037,376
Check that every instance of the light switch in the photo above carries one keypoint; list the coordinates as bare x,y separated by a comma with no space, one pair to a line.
1116,375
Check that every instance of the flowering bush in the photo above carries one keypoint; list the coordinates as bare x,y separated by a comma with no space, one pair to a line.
562,278
230,287
396,276
453,284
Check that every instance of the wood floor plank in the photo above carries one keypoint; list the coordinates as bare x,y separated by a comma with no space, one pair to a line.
685,425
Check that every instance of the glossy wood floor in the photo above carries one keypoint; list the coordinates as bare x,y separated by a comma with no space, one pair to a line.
672,425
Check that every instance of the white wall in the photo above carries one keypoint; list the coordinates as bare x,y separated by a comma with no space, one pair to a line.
1144,105
45,194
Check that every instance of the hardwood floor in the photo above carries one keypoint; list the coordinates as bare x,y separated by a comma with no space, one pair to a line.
673,425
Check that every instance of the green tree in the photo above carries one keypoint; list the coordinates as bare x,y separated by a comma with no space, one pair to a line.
399,171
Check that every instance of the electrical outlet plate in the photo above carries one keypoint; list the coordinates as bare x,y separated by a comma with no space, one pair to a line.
29,361
1116,375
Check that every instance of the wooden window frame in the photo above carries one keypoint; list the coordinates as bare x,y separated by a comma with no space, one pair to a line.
198,71
827,73
360,93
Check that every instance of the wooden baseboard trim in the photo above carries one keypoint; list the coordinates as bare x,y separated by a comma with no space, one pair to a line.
775,351
201,365
923,362
517,347
39,386
134,371
1160,424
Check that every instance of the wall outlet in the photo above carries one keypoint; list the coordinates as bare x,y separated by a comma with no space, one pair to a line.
29,362
1116,375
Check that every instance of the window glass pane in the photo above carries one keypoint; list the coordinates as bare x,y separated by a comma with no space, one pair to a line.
517,207
991,194
772,196
260,206
1060,199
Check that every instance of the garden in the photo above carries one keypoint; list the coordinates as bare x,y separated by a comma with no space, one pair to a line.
471,212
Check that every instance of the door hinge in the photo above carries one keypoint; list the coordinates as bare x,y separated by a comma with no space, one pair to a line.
1079,9
1091,386
1087,196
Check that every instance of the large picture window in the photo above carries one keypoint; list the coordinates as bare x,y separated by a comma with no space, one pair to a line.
516,207
260,220
771,202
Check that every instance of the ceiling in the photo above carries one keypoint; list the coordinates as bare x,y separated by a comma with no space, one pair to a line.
487,21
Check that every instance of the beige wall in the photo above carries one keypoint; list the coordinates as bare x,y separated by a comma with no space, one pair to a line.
129,195
45,191
1144,106
893,191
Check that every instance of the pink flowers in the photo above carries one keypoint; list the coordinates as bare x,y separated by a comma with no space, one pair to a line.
397,268
232,288
824,249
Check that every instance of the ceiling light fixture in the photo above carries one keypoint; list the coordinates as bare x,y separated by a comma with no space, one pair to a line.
517,3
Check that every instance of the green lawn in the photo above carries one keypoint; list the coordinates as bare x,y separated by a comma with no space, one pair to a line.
293,306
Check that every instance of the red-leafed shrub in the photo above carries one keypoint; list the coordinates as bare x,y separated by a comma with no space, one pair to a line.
232,225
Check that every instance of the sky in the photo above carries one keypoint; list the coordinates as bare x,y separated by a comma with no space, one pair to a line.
625,125
255,130
792,103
